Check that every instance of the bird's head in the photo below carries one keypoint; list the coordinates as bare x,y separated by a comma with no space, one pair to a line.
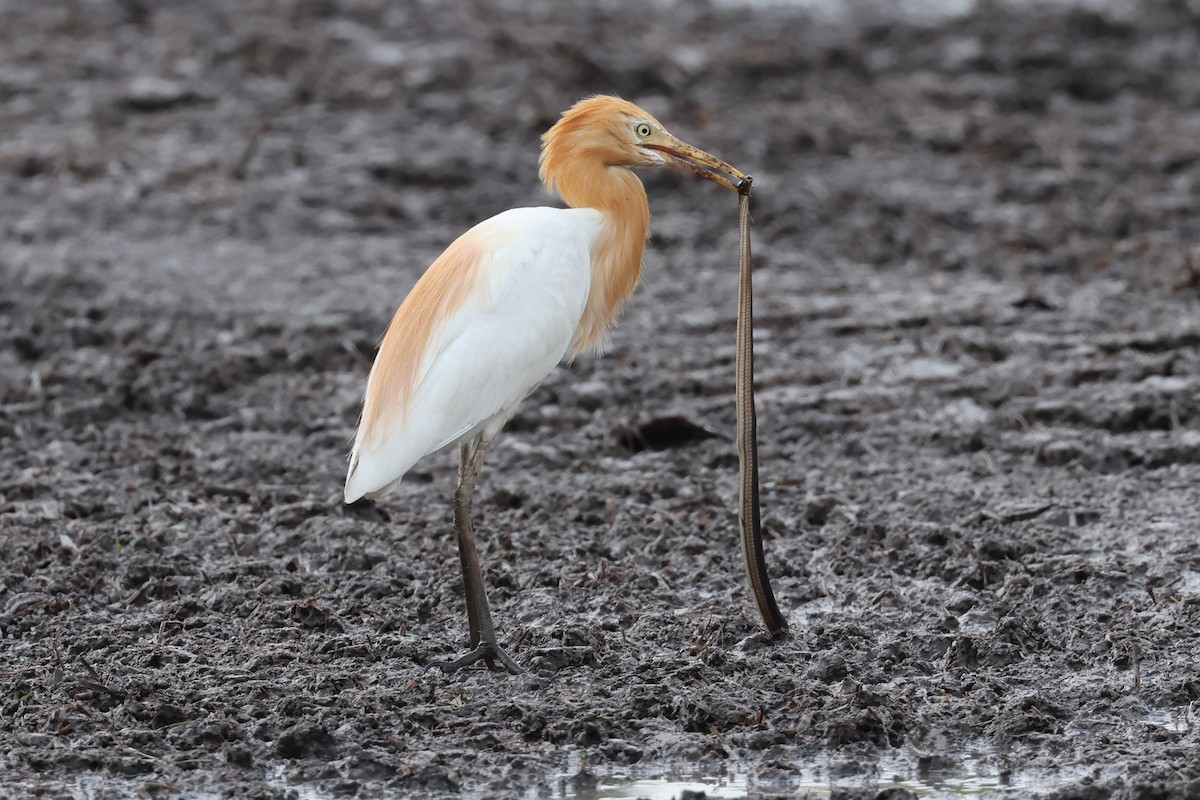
617,133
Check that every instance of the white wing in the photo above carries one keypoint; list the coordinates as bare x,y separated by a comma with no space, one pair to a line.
529,271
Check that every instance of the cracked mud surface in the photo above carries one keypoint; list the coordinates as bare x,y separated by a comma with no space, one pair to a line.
979,403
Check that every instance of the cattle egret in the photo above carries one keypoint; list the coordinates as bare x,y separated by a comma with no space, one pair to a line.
503,305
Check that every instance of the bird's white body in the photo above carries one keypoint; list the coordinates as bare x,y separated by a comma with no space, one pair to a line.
515,321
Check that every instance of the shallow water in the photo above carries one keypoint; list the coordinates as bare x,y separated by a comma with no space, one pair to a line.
920,10
977,777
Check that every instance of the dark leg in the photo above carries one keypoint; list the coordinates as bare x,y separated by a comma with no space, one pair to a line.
483,634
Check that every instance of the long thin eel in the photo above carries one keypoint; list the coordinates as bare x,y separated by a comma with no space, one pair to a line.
749,522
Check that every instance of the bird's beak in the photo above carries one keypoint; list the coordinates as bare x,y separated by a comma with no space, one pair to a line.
682,156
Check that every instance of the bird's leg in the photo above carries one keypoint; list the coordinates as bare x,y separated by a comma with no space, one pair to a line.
483,634
468,554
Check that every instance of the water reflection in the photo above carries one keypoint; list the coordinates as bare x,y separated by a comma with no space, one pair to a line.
972,778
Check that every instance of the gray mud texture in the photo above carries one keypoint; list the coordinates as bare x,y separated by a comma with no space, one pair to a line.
978,297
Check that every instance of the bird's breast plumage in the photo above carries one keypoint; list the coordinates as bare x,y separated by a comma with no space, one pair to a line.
483,326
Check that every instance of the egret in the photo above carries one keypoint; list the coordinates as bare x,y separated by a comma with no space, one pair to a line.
504,304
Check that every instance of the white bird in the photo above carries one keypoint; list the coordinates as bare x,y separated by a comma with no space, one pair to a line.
503,305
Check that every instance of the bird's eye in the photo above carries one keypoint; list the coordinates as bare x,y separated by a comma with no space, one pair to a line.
642,130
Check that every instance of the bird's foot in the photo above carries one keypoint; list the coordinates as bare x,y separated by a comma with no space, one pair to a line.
488,652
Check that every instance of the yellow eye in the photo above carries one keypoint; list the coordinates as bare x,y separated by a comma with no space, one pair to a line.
642,130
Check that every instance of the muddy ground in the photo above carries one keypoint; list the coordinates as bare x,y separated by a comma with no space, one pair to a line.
979,408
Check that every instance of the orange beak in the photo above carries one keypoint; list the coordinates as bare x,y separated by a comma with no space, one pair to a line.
685,158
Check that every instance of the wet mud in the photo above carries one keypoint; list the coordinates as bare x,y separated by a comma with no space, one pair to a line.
979,404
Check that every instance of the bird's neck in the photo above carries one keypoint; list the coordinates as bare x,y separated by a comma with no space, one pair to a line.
618,194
